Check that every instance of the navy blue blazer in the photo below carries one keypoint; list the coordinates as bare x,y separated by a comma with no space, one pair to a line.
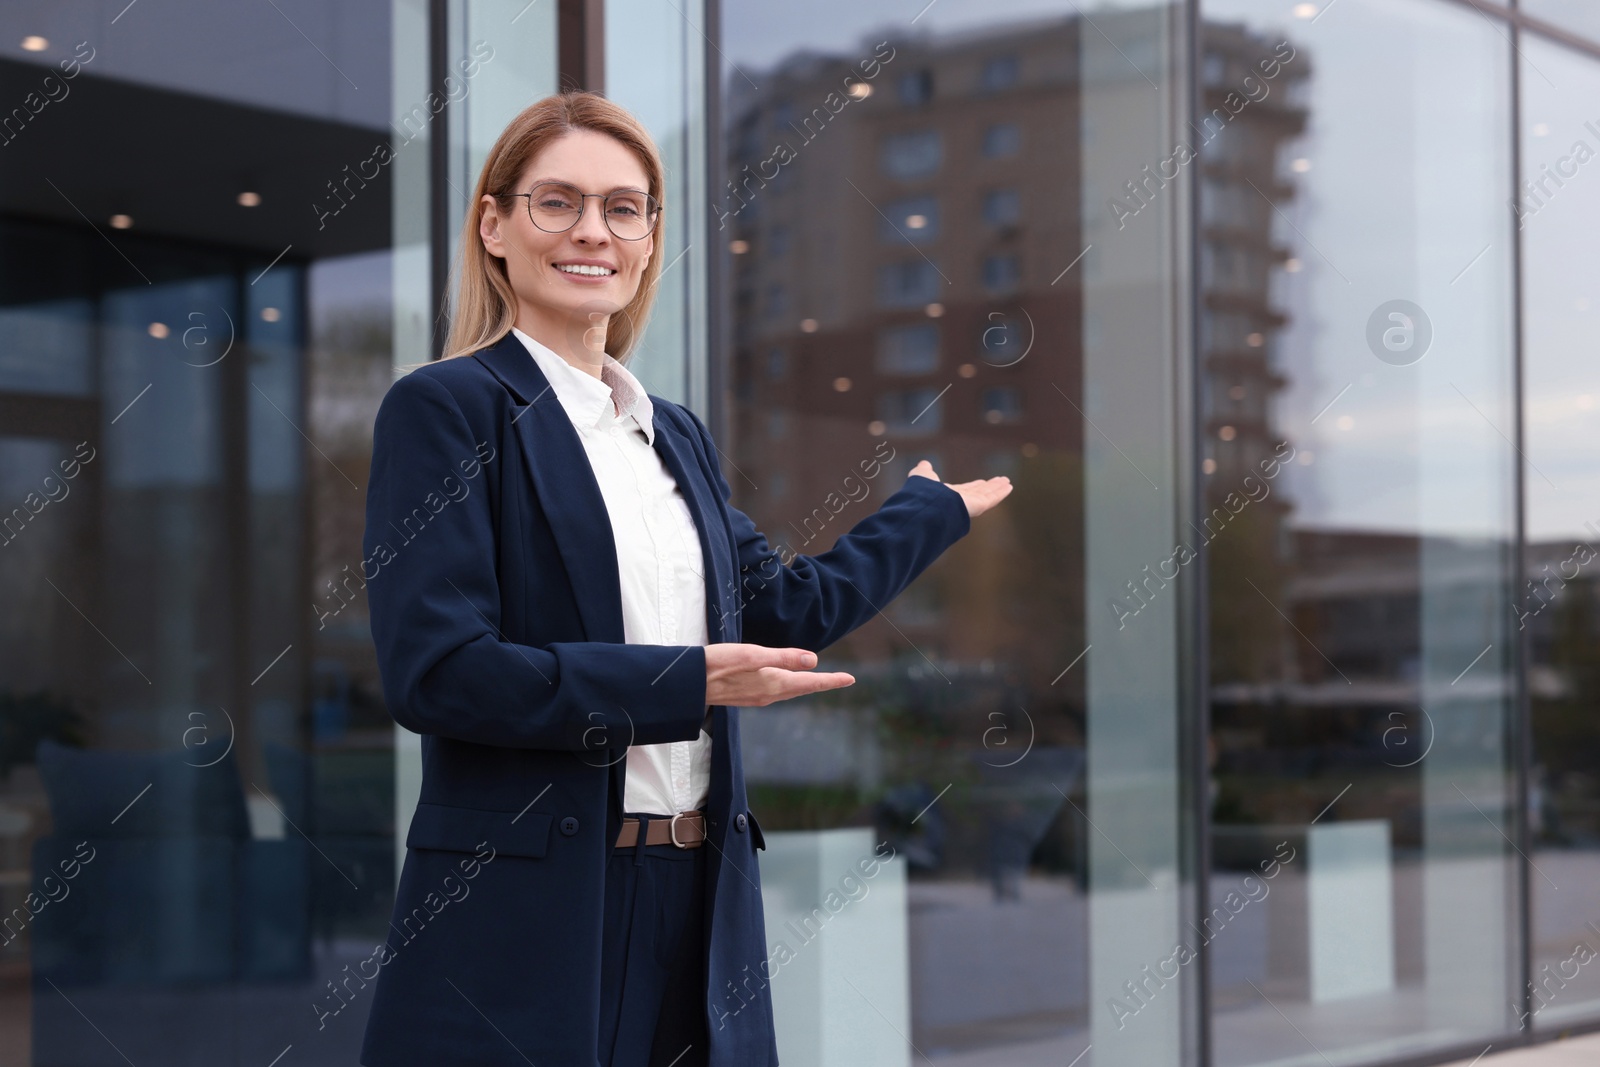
497,615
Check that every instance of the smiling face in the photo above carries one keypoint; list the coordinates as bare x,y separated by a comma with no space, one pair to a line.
568,284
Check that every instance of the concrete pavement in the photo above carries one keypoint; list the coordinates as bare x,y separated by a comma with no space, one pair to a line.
1575,1052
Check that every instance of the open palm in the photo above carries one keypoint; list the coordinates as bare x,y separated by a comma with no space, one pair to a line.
980,495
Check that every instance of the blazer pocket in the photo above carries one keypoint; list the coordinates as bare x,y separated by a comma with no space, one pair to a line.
755,831
452,829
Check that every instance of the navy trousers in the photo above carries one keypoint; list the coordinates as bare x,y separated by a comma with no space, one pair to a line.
652,969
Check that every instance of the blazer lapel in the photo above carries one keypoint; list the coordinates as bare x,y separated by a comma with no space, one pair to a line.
566,488
675,452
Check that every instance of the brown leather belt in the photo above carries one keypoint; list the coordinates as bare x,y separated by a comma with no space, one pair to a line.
687,829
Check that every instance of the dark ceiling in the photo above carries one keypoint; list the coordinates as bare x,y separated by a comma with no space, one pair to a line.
176,164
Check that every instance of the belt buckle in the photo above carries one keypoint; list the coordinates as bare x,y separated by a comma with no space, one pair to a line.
672,828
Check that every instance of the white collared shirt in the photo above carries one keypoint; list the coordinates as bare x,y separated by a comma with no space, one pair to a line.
660,566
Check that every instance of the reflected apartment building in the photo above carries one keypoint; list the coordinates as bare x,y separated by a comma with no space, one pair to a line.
898,293
891,304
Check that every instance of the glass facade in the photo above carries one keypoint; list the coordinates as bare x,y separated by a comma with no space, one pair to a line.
1256,727
1359,290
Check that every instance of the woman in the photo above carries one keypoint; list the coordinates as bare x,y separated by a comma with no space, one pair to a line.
570,613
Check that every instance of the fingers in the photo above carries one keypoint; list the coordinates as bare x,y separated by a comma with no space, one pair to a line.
816,682
732,655
785,685
789,659
983,494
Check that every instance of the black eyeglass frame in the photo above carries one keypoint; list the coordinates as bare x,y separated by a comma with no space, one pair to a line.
655,206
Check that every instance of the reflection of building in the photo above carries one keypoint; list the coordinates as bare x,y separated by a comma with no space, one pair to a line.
176,324
1240,145
1355,657
895,281
1241,176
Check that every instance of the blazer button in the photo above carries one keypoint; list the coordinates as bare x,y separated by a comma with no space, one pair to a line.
740,822
569,826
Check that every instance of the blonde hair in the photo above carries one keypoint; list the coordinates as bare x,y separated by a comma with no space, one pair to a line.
485,306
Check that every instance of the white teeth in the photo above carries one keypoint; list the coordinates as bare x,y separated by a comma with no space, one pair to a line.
574,268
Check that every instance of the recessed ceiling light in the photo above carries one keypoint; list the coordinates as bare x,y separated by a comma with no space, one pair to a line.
1305,11
121,222
34,43
248,199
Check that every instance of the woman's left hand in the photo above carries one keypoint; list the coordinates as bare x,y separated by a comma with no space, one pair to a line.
980,495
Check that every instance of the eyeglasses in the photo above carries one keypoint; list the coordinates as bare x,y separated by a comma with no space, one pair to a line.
556,207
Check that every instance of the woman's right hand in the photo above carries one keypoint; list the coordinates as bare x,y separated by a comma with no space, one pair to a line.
753,676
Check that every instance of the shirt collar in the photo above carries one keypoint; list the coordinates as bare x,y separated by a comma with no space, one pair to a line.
587,399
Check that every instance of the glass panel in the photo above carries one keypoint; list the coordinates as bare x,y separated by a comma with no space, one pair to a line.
196,767
60,328
1356,369
1578,16
1561,300
655,67
501,57
922,263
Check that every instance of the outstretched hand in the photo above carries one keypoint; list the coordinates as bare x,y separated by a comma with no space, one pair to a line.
753,676
980,495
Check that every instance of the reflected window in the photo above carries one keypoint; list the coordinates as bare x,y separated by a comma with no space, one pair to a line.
1001,273
777,300
915,87
1001,404
911,411
1002,140
1002,207
999,72
908,350
915,154
908,283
